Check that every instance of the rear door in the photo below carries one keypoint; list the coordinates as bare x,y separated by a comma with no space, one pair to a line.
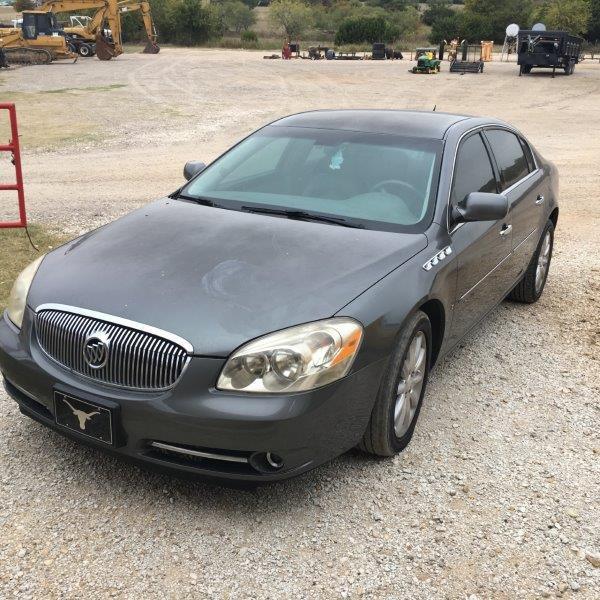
483,249
522,183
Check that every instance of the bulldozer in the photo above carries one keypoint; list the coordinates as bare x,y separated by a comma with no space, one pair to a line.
37,41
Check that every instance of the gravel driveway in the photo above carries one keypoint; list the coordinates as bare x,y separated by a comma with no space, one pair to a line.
498,494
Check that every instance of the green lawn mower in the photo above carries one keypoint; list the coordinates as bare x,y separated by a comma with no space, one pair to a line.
427,61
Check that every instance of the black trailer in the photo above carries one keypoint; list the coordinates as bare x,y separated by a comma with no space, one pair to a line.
548,50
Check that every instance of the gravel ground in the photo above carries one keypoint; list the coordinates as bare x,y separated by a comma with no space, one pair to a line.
497,495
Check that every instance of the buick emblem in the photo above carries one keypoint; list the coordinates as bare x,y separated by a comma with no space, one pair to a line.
96,349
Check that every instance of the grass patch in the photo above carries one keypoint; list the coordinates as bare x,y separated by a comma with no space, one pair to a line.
17,253
94,88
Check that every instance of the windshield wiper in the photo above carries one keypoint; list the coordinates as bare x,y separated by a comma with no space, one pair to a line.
302,215
198,200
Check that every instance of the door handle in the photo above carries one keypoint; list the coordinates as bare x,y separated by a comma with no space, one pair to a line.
506,229
540,199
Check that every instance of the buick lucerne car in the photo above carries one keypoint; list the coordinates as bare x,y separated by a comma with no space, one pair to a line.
288,302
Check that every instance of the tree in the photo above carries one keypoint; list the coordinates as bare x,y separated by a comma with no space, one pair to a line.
437,9
445,28
237,16
366,30
293,16
191,23
21,5
593,30
567,15
492,17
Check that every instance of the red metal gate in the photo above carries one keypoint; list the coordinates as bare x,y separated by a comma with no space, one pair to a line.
13,148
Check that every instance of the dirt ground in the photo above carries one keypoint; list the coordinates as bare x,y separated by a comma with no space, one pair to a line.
497,495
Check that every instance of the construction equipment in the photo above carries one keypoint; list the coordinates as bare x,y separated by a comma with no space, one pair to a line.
548,50
151,46
37,41
91,34
107,46
427,61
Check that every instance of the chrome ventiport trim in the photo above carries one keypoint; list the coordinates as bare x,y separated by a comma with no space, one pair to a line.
199,453
434,260
120,321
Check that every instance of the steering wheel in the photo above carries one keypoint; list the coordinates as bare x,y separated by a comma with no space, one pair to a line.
383,185
415,199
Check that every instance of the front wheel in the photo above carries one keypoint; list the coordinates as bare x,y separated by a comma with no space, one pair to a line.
85,50
531,286
401,392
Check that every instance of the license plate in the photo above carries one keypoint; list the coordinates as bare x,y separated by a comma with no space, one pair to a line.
86,418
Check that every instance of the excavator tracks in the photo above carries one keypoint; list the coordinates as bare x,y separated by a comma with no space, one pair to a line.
27,56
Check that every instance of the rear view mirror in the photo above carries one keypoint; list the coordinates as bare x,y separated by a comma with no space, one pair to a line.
192,168
480,206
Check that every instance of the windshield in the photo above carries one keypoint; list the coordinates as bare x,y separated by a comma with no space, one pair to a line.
380,181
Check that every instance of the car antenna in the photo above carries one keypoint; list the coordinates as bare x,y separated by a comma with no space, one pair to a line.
434,107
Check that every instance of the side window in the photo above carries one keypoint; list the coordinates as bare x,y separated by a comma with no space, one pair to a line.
509,156
528,154
473,170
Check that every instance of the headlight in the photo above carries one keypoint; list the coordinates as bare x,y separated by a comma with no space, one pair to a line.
18,293
295,359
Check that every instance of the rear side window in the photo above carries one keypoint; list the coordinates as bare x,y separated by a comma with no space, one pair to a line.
509,156
528,155
473,170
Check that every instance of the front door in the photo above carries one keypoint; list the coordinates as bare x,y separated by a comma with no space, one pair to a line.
483,249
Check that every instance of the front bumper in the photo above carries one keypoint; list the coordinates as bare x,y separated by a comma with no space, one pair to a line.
304,429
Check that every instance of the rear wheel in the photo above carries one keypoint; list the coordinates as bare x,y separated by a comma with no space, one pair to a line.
531,286
85,50
400,395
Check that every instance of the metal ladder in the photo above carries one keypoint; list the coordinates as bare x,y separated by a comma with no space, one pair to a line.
13,148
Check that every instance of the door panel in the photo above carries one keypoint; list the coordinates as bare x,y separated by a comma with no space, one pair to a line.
483,250
485,271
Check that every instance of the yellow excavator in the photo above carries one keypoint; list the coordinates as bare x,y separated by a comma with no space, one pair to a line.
106,47
93,37
37,41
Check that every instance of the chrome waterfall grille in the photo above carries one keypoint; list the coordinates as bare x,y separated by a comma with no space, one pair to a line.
111,350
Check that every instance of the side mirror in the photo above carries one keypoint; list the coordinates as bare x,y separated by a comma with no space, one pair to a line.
480,206
192,168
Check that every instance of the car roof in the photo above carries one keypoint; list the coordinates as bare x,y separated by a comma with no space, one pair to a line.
409,123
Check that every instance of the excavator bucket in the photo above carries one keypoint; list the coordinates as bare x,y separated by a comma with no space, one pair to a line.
151,48
105,50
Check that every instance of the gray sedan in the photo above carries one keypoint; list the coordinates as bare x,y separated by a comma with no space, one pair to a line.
289,301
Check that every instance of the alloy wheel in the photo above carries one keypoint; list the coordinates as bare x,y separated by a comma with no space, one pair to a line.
409,388
543,263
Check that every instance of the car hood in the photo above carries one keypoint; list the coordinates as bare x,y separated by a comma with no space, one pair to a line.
216,277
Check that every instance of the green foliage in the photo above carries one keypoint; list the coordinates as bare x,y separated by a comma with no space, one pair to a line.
366,29
190,23
236,16
21,5
568,15
291,16
249,36
445,28
496,15
593,29
437,9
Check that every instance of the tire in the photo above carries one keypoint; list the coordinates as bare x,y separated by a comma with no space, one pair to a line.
380,437
85,50
527,290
